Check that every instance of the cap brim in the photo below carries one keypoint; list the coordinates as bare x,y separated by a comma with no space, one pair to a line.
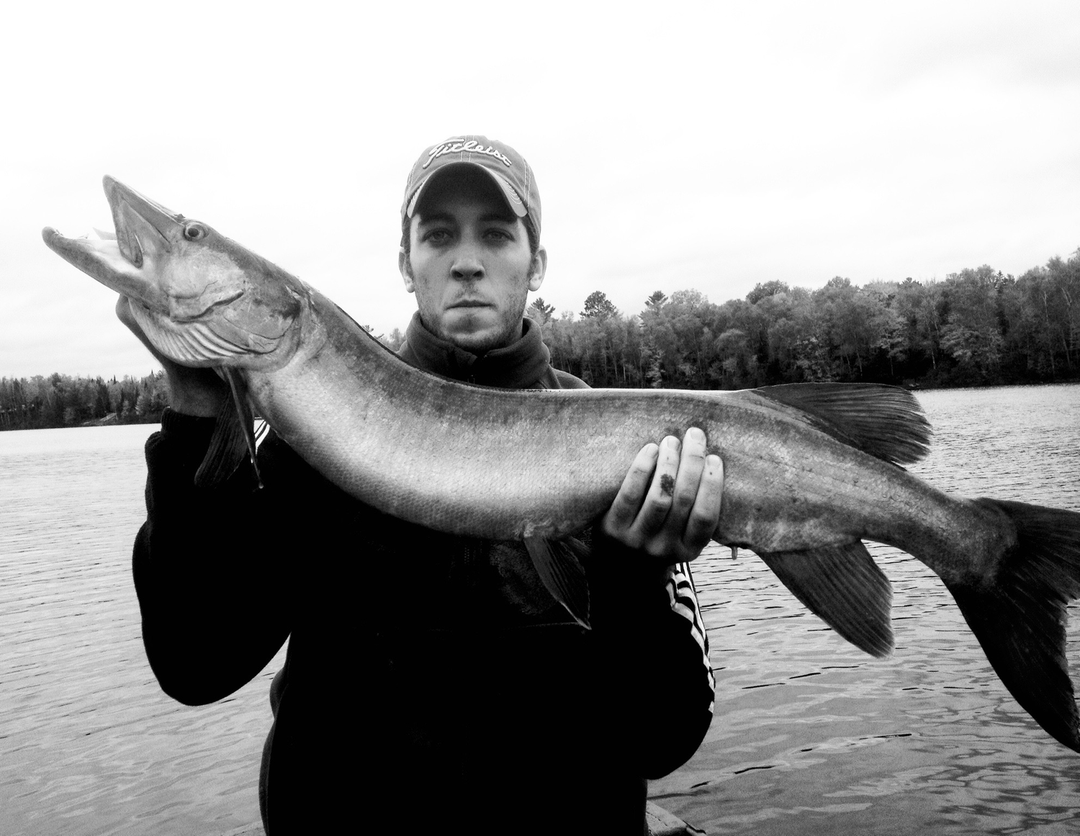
513,199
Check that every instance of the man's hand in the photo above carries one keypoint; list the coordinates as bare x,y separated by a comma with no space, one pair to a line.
669,502
192,391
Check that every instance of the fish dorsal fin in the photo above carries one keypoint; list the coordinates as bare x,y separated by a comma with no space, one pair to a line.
233,438
845,588
883,421
563,575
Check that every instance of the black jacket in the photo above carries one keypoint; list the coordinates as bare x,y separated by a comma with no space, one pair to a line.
430,681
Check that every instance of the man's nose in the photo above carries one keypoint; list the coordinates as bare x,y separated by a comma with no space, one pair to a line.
467,265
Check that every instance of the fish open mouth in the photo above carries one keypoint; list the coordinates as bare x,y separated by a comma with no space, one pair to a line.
142,225
130,248
194,302
105,260
144,230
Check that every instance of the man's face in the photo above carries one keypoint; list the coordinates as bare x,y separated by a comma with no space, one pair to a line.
469,262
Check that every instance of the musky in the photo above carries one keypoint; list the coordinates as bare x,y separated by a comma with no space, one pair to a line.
677,145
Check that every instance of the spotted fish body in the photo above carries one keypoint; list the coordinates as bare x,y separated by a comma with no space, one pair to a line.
810,470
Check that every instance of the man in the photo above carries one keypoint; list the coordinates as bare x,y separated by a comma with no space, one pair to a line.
436,682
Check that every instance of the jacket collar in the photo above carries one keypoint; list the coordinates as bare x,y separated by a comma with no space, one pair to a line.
518,366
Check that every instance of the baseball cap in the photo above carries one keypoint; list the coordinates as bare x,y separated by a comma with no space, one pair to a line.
505,166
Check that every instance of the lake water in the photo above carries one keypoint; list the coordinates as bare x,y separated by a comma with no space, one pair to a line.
810,735
88,742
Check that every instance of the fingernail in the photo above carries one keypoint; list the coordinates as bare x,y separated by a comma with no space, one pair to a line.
697,433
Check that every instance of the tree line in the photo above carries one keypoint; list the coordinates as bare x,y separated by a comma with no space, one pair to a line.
60,400
977,327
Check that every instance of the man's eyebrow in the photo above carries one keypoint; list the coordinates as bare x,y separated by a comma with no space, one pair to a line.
504,215
434,217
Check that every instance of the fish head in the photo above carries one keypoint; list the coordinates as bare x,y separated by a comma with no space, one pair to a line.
201,299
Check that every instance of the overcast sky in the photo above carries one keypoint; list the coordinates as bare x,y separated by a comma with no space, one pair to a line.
677,145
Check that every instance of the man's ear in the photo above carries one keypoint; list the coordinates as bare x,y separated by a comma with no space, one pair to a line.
405,268
537,269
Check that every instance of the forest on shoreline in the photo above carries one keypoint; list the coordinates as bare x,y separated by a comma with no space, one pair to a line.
977,327
60,400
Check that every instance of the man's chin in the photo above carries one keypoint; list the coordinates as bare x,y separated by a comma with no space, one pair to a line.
476,330
477,343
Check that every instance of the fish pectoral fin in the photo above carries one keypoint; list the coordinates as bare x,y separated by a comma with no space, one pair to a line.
845,588
233,438
883,421
563,576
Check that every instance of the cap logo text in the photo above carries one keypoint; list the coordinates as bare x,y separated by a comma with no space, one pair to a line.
457,146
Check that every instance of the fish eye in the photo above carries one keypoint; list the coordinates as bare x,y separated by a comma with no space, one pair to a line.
195,231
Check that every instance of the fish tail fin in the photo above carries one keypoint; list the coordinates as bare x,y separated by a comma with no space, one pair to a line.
1019,614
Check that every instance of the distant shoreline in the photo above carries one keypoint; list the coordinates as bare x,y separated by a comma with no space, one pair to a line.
114,419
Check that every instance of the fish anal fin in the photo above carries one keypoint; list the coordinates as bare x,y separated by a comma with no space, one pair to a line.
883,421
563,576
845,588
233,438
1020,618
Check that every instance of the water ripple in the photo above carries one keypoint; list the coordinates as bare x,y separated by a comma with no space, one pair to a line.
812,737
88,742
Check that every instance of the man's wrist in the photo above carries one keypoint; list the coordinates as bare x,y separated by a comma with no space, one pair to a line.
197,392
198,405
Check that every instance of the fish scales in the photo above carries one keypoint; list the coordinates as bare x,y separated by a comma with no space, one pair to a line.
810,470
506,464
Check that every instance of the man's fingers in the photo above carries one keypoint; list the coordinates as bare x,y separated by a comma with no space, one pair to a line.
705,514
691,465
661,493
674,485
194,391
647,492
669,501
124,314
624,509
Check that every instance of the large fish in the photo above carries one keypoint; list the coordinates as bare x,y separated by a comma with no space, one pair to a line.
810,471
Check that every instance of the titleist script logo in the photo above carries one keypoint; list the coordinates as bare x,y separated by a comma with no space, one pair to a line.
456,146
